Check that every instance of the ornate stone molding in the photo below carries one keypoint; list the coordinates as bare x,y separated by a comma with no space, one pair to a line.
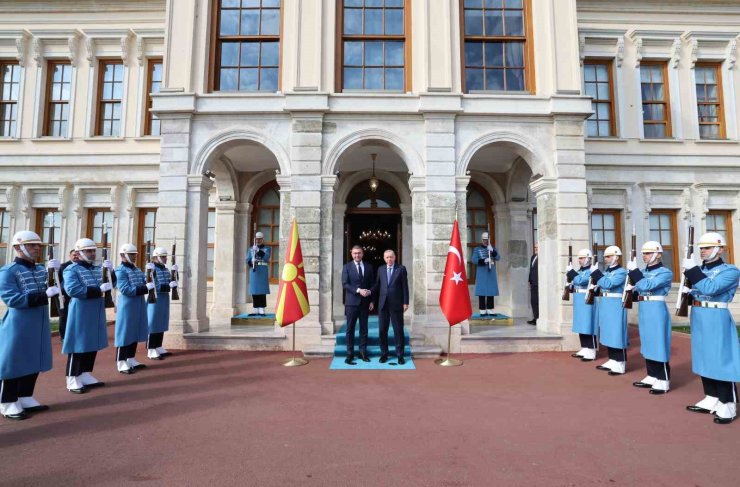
686,203
675,53
620,51
731,55
284,182
329,183
693,52
602,43
11,193
77,197
638,52
126,48
140,49
90,50
73,44
417,183
21,46
62,194
25,201
544,185
199,182
648,202
115,199
38,49
461,183
628,203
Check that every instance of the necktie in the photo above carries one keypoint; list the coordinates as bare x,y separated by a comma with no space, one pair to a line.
359,270
390,272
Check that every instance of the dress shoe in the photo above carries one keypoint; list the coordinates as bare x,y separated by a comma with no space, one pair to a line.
364,358
601,367
383,359
401,360
81,390
611,372
697,409
657,392
350,361
95,384
575,355
17,417
139,366
37,409
532,322
585,359
717,420
126,371
642,385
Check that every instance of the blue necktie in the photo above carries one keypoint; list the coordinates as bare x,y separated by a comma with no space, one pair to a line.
390,272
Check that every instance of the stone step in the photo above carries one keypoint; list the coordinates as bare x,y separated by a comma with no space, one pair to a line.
502,344
419,351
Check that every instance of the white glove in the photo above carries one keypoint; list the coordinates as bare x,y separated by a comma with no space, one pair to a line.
105,287
490,248
569,268
175,268
255,248
52,291
631,265
150,285
594,267
629,287
173,284
689,263
53,264
487,261
684,290
149,266
108,265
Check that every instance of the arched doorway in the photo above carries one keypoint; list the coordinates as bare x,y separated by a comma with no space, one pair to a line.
480,219
266,219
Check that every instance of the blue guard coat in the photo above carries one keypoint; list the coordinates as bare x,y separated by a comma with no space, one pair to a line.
131,318
86,330
715,351
486,280
653,316
158,314
259,274
25,337
583,314
612,318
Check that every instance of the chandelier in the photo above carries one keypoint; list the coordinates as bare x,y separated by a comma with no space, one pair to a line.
373,180
374,235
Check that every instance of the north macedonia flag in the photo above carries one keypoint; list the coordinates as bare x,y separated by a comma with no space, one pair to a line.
292,298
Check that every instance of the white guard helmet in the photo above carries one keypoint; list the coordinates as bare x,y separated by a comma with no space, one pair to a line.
26,237
484,236
612,250
711,239
259,235
585,253
128,249
652,247
160,252
85,244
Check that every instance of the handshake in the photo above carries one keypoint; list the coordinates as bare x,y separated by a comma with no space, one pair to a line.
364,292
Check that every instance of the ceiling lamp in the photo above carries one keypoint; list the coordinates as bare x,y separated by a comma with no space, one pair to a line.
373,180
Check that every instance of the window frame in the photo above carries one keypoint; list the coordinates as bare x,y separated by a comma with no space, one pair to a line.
490,226
40,214
91,229
140,228
214,62
666,102
727,215
617,213
674,247
530,86
148,115
5,218
720,103
211,245
98,132
275,245
609,63
339,50
48,101
16,102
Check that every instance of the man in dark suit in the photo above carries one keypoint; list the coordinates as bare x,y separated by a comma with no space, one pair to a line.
74,256
357,280
392,289
534,294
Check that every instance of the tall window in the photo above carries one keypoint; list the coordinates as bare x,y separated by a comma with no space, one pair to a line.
266,218
211,241
154,82
606,228
656,109
497,53
535,231
58,90
10,79
597,76
374,49
46,219
720,221
663,230
110,97
709,101
147,232
95,219
4,236
247,53
480,219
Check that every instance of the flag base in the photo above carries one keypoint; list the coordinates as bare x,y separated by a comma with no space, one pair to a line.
295,362
448,362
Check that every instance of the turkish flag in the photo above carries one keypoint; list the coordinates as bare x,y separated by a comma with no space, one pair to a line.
292,298
454,298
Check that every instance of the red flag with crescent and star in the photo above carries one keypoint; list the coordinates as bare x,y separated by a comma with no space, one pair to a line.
292,297
454,298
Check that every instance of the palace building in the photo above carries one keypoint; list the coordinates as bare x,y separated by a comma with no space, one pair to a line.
205,121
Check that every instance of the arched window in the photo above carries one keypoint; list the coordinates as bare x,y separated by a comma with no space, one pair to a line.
480,219
266,219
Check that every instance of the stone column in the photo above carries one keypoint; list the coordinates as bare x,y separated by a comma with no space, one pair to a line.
507,287
461,200
519,249
242,226
196,259
225,263
339,210
328,271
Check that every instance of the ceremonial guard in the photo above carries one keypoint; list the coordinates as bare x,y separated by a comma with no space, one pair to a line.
715,352
74,256
486,282
611,317
158,313
584,318
131,316
652,286
25,337
86,332
258,261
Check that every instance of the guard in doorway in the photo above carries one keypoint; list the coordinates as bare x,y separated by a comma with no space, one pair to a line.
258,261
486,281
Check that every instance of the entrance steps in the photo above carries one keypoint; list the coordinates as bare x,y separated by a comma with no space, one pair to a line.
521,337
329,342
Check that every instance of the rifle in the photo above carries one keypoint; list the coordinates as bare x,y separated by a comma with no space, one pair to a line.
108,296
627,296
55,303
682,302
591,293
152,295
490,260
567,288
174,274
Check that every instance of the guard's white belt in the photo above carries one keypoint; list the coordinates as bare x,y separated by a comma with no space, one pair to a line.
709,304
651,298
261,263
611,295
581,291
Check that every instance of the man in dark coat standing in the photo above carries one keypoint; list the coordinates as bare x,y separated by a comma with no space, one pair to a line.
534,294
357,280
392,288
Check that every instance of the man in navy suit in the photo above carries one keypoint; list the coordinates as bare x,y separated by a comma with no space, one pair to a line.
392,288
357,280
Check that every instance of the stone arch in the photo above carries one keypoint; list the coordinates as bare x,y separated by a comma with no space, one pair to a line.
205,154
408,154
523,146
226,182
392,179
255,183
494,189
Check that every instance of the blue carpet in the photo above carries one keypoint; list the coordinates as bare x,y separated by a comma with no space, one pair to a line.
373,350
496,316
247,316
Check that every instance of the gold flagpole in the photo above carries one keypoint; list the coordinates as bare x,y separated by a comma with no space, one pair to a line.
295,362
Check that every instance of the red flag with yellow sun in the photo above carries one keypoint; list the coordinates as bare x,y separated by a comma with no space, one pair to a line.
292,298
